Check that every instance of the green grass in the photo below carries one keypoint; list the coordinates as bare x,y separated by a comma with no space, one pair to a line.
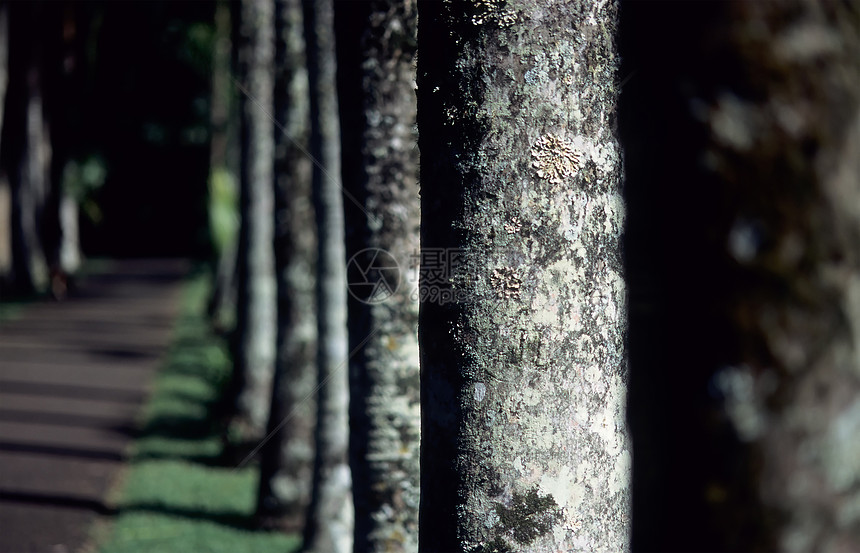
11,309
175,497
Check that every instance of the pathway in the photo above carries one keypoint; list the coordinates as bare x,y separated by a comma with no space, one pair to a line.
73,376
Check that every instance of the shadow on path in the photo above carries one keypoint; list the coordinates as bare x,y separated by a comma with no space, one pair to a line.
73,376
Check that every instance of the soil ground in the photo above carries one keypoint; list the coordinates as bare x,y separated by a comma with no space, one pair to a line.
73,376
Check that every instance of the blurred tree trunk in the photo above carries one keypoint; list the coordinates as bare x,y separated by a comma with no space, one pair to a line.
784,140
376,52
223,218
28,141
523,315
256,296
4,58
755,439
62,99
329,524
5,192
286,460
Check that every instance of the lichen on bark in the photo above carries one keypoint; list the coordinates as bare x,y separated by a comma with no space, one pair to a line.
524,375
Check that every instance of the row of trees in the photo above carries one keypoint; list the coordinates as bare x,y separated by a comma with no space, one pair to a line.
327,387
743,411
732,256
323,120
39,49
104,135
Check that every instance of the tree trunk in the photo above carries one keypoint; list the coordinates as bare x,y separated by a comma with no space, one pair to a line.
330,516
63,94
222,172
256,285
523,314
30,152
5,191
376,51
286,460
756,411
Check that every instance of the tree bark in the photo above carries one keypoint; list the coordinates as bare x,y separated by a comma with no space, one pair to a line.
523,314
30,153
330,516
223,216
784,137
376,53
64,88
286,460
5,190
751,158
256,284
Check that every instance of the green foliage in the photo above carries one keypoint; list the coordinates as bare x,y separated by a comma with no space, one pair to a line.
196,42
11,309
175,497
223,208
81,179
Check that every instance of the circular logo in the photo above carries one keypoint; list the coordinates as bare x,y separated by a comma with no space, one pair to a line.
373,275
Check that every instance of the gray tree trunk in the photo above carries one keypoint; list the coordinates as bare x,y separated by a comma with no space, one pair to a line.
4,57
31,155
63,88
376,52
256,285
523,314
286,461
222,173
329,524
5,191
784,141
750,168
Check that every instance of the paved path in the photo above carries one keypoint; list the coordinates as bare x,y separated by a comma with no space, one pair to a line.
73,376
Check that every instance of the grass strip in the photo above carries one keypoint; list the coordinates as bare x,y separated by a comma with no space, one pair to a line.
175,497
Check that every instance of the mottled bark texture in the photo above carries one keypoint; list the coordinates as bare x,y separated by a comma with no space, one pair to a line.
523,367
255,355
376,56
755,445
286,460
329,524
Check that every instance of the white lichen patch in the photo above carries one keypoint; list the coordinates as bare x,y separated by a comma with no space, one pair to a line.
480,391
563,487
530,397
615,212
548,307
610,420
621,471
555,159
